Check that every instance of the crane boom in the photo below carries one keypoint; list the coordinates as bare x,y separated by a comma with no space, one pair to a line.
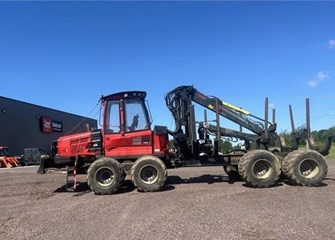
180,99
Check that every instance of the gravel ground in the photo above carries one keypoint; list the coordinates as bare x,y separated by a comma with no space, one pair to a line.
196,203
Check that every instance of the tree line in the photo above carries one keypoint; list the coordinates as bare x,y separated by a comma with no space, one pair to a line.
318,136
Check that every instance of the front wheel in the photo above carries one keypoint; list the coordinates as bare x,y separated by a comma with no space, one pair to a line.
104,176
259,168
305,168
148,174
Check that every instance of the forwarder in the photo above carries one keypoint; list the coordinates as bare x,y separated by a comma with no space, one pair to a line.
126,145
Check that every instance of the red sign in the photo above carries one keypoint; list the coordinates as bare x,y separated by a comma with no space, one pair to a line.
46,125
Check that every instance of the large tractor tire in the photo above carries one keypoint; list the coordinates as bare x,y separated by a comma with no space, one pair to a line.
148,174
232,172
305,168
104,176
259,168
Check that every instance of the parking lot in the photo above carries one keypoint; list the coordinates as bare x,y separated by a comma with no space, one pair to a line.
196,203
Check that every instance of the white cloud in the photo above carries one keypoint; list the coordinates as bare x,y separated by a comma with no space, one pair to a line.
272,105
331,43
321,76
313,83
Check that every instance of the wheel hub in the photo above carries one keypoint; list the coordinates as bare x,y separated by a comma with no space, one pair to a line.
104,177
309,168
149,174
262,168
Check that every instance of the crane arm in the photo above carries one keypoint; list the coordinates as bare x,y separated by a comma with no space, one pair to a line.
180,99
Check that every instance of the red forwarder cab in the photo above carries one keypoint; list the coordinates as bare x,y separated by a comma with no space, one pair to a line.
125,135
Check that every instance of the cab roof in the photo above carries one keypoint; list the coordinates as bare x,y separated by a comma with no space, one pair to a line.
125,95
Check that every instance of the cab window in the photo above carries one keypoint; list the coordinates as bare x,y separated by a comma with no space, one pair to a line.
135,116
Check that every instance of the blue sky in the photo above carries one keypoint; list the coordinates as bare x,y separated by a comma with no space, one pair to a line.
65,55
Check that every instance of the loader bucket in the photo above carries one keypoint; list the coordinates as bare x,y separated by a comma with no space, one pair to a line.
45,164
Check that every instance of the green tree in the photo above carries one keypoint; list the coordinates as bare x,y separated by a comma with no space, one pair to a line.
171,144
287,137
225,146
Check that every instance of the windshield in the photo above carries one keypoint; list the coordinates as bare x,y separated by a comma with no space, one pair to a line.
136,117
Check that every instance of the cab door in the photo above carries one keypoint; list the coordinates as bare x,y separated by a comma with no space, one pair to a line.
127,129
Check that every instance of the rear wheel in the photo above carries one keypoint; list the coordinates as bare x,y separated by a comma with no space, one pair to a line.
305,168
148,174
259,168
104,176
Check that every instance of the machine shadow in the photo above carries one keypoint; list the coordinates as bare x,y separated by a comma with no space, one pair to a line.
171,181
82,188
330,179
314,186
277,184
207,178
127,186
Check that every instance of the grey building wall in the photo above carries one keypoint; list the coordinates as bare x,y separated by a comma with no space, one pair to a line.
20,125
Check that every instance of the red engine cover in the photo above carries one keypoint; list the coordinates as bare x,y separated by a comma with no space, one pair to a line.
75,144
